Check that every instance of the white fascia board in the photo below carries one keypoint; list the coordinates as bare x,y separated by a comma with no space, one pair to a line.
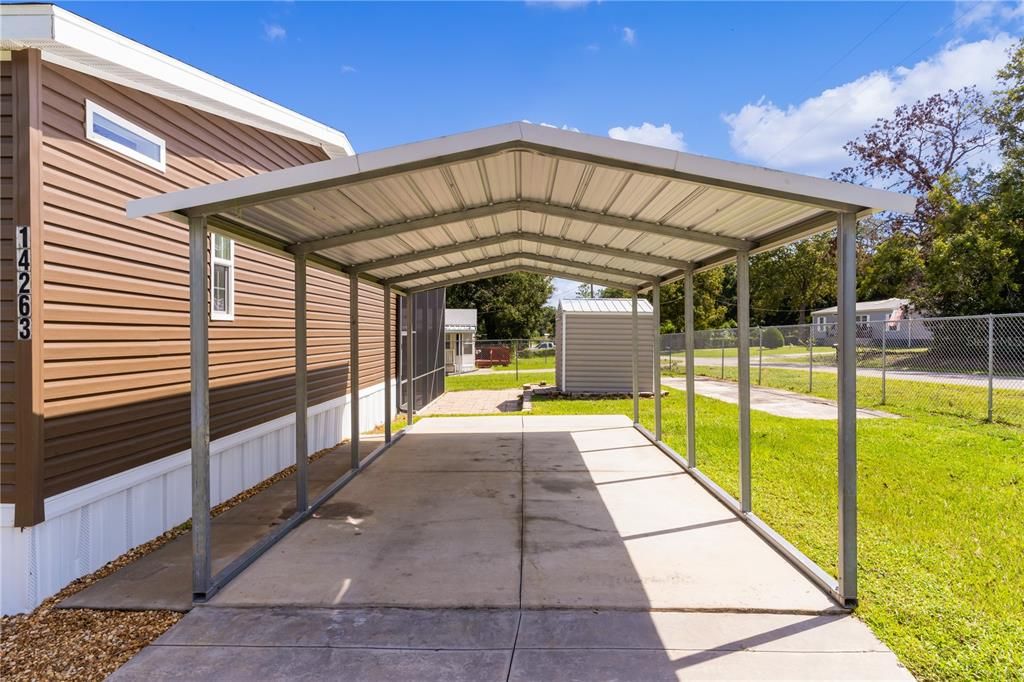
643,158
63,37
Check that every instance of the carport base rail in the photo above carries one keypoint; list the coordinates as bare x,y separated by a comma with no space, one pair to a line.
229,572
93,524
797,558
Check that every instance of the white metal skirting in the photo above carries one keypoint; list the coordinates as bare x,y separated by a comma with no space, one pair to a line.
95,523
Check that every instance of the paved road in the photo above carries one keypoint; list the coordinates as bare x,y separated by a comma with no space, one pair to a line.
772,400
1003,382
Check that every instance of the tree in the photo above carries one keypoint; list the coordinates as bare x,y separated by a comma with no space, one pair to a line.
708,310
611,292
976,263
796,277
585,291
508,306
919,144
1006,114
892,270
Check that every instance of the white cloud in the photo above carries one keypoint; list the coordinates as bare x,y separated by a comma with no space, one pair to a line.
348,68
810,135
561,127
648,133
989,16
629,35
274,32
592,47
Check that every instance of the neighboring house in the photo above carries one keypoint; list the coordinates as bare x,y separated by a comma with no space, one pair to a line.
459,340
893,316
594,345
94,404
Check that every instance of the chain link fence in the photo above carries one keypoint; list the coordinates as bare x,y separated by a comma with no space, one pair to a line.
971,366
522,356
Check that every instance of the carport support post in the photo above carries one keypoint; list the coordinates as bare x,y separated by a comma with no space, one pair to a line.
410,395
636,361
353,345
691,402
301,383
388,414
743,371
847,394
199,358
656,303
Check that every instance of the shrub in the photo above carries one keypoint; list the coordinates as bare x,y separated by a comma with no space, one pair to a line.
772,338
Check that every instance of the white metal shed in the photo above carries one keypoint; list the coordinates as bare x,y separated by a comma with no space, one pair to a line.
594,345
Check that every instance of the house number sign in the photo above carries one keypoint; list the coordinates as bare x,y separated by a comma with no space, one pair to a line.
23,281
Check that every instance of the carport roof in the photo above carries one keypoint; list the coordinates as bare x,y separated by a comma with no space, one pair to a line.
522,197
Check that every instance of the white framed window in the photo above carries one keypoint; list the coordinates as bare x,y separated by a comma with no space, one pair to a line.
109,130
222,277
864,322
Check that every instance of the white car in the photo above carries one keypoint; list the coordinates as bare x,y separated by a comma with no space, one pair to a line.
544,345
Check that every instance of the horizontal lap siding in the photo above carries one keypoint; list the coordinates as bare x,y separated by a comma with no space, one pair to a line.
116,372
598,354
6,284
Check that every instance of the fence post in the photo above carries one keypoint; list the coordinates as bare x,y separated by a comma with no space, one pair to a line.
515,351
991,363
760,352
810,360
884,330
723,355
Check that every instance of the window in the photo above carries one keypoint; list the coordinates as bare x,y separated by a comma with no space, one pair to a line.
222,277
113,132
863,322
822,320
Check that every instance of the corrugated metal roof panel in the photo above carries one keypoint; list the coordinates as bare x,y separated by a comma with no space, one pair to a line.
634,200
605,305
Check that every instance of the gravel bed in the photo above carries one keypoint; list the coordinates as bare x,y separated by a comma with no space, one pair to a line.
89,644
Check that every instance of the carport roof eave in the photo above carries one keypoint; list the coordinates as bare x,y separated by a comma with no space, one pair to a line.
826,194
819,199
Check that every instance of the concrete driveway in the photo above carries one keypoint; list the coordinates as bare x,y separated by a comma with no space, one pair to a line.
525,548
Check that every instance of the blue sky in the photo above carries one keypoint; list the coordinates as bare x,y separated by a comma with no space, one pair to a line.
776,84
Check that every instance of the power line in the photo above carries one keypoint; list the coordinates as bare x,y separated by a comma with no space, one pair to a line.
830,114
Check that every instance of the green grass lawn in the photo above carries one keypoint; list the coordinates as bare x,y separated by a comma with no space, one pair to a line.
534,362
905,397
941,513
475,381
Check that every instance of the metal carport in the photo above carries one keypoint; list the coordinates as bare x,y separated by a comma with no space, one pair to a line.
521,197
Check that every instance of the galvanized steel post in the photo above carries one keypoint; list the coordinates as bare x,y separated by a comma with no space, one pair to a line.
743,372
353,344
847,394
199,375
760,352
885,328
636,361
991,360
656,302
301,384
691,403
410,395
388,411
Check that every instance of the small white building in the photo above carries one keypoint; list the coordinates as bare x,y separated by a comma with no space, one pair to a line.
893,317
594,345
459,340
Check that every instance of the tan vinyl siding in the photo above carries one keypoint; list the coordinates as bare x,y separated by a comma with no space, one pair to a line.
598,353
116,372
7,455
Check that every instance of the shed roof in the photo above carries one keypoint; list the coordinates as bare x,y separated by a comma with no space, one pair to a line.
605,305
887,304
460,319
523,197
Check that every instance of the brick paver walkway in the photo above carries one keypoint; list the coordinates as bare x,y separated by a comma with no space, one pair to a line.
475,402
